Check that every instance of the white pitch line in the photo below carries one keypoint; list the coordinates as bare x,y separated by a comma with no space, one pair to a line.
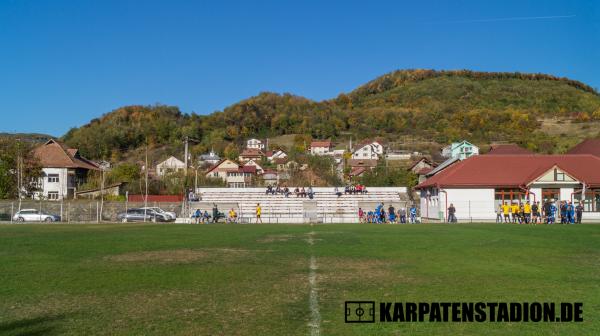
315,315
313,301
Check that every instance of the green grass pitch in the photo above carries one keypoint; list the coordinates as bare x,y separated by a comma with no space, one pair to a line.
254,279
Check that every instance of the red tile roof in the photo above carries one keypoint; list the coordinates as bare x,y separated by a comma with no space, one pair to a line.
424,170
514,170
508,149
589,146
54,154
250,152
320,143
362,163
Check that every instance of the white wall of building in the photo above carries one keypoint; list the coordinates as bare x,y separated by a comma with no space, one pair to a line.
470,204
61,187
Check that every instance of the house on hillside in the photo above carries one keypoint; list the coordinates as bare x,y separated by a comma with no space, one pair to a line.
478,185
209,159
256,144
275,154
251,154
589,146
422,167
170,165
64,170
368,150
360,166
320,147
508,149
234,174
259,169
461,150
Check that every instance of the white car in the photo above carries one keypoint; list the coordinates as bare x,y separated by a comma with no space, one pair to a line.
33,215
171,216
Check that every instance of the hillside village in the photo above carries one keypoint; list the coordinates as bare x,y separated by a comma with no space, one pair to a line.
65,173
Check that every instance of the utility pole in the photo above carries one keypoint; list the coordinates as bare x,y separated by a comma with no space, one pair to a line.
19,172
187,138
102,191
146,181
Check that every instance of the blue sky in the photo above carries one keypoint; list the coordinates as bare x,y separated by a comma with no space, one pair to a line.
63,63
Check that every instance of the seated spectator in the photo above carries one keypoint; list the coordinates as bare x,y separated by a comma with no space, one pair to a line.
310,193
337,192
278,190
347,189
286,191
302,192
297,192
364,190
269,189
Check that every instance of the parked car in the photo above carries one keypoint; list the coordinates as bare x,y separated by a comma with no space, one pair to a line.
33,215
141,215
169,214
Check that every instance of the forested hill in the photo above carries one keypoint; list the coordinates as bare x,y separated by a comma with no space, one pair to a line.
438,106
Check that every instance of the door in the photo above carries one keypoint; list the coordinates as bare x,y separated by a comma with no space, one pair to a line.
549,194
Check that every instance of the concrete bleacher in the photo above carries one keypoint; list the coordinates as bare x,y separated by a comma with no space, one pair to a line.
325,207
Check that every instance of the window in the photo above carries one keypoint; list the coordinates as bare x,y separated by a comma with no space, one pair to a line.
52,178
508,196
53,195
591,203
558,175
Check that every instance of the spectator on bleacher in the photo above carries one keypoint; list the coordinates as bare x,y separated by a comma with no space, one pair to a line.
277,190
269,189
310,192
297,192
361,215
303,192
258,213
232,216
403,215
346,189
286,191
337,192
363,189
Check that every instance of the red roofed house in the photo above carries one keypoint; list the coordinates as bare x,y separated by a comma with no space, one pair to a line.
251,154
368,149
63,170
477,185
422,167
320,147
234,174
589,146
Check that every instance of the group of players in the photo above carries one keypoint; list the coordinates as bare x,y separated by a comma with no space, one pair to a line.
533,213
380,216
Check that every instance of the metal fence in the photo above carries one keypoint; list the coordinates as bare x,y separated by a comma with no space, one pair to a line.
84,211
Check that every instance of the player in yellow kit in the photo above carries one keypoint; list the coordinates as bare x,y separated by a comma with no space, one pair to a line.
527,212
258,212
514,209
506,212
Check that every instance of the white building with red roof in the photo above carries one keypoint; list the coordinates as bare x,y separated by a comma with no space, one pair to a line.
234,174
478,185
321,147
63,170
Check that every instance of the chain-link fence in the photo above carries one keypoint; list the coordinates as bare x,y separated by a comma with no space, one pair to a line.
82,211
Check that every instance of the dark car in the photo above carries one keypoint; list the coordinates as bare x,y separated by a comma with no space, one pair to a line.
141,215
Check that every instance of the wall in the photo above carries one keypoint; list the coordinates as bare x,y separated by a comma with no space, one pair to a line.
471,204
